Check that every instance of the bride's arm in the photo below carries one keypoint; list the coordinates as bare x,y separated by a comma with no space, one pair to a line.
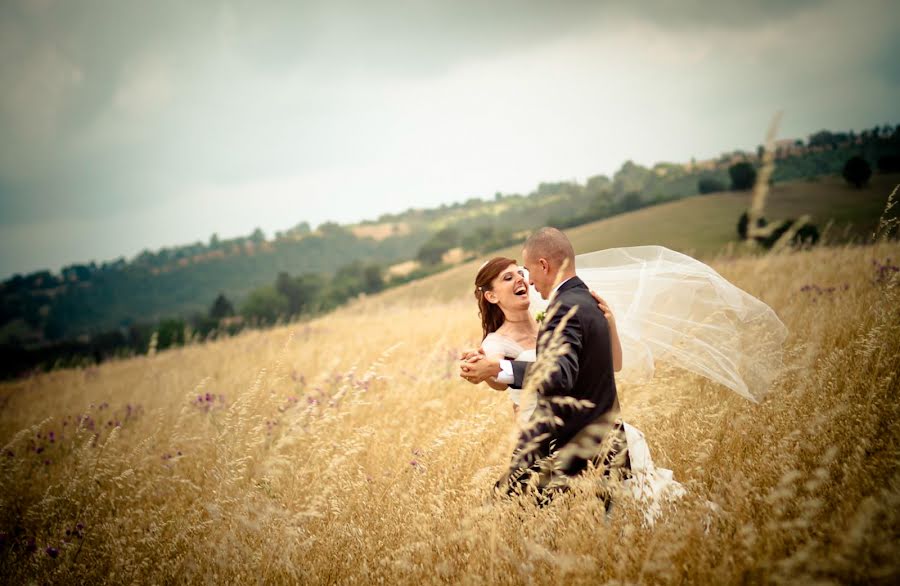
493,349
613,332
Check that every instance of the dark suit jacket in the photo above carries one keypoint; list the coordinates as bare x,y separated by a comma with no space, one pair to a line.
584,371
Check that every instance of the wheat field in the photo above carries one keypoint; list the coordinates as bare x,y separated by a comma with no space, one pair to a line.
346,450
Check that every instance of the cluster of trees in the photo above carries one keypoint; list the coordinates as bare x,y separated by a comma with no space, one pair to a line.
87,300
287,297
311,293
17,359
857,171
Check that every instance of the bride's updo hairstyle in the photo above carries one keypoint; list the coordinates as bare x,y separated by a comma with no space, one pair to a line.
490,313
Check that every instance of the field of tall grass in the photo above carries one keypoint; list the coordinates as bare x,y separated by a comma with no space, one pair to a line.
347,450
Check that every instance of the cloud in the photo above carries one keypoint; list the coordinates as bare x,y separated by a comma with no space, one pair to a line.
137,107
146,86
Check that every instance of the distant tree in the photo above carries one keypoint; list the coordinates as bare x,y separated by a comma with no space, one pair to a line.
373,279
597,184
557,187
631,177
333,230
631,201
302,293
258,236
214,241
221,308
301,229
889,164
823,138
264,305
170,332
600,206
433,250
287,287
710,185
743,176
478,238
857,171
311,286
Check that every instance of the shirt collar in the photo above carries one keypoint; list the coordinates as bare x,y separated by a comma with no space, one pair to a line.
555,289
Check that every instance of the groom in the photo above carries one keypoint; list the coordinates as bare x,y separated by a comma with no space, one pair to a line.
575,420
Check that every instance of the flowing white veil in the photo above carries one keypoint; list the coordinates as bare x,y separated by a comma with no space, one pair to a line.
672,308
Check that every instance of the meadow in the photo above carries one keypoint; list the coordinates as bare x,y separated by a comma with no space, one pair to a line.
346,450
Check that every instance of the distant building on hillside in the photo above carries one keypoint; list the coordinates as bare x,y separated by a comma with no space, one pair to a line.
706,165
789,147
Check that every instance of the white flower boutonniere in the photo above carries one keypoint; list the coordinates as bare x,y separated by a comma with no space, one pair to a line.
539,316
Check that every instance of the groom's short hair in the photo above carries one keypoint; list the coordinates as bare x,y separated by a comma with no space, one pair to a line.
551,244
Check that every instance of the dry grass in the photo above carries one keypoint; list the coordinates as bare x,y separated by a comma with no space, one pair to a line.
345,450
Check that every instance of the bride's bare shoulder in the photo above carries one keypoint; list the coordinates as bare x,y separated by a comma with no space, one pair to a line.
497,343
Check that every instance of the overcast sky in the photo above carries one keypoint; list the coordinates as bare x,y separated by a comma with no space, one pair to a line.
130,125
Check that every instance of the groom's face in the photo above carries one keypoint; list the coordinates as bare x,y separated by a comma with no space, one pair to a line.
538,273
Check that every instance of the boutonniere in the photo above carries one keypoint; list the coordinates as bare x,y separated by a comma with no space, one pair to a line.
539,316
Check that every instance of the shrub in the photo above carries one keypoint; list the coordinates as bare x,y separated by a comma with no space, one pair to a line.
857,171
743,176
889,164
710,185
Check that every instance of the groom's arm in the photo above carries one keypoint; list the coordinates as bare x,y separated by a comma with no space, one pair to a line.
565,370
513,372
518,373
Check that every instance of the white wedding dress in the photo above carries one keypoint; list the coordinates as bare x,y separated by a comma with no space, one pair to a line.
649,485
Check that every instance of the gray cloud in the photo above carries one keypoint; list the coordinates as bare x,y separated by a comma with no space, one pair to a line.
118,107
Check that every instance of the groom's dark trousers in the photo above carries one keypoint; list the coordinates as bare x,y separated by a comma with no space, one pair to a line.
577,401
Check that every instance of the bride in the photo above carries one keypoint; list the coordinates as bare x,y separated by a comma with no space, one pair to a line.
675,309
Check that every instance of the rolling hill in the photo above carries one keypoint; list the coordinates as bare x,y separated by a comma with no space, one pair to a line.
701,226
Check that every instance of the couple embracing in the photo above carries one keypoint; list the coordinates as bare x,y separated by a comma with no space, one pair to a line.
561,372
568,360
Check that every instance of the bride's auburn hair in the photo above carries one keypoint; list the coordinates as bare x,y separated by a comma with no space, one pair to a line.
490,313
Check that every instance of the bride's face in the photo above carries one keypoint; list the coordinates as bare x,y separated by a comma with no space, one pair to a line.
509,289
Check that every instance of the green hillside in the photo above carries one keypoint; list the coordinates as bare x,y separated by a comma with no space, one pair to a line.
701,226
122,301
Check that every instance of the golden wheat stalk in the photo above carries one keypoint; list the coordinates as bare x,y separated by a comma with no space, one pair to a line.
761,187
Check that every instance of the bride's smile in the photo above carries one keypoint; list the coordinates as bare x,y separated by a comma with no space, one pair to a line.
509,290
